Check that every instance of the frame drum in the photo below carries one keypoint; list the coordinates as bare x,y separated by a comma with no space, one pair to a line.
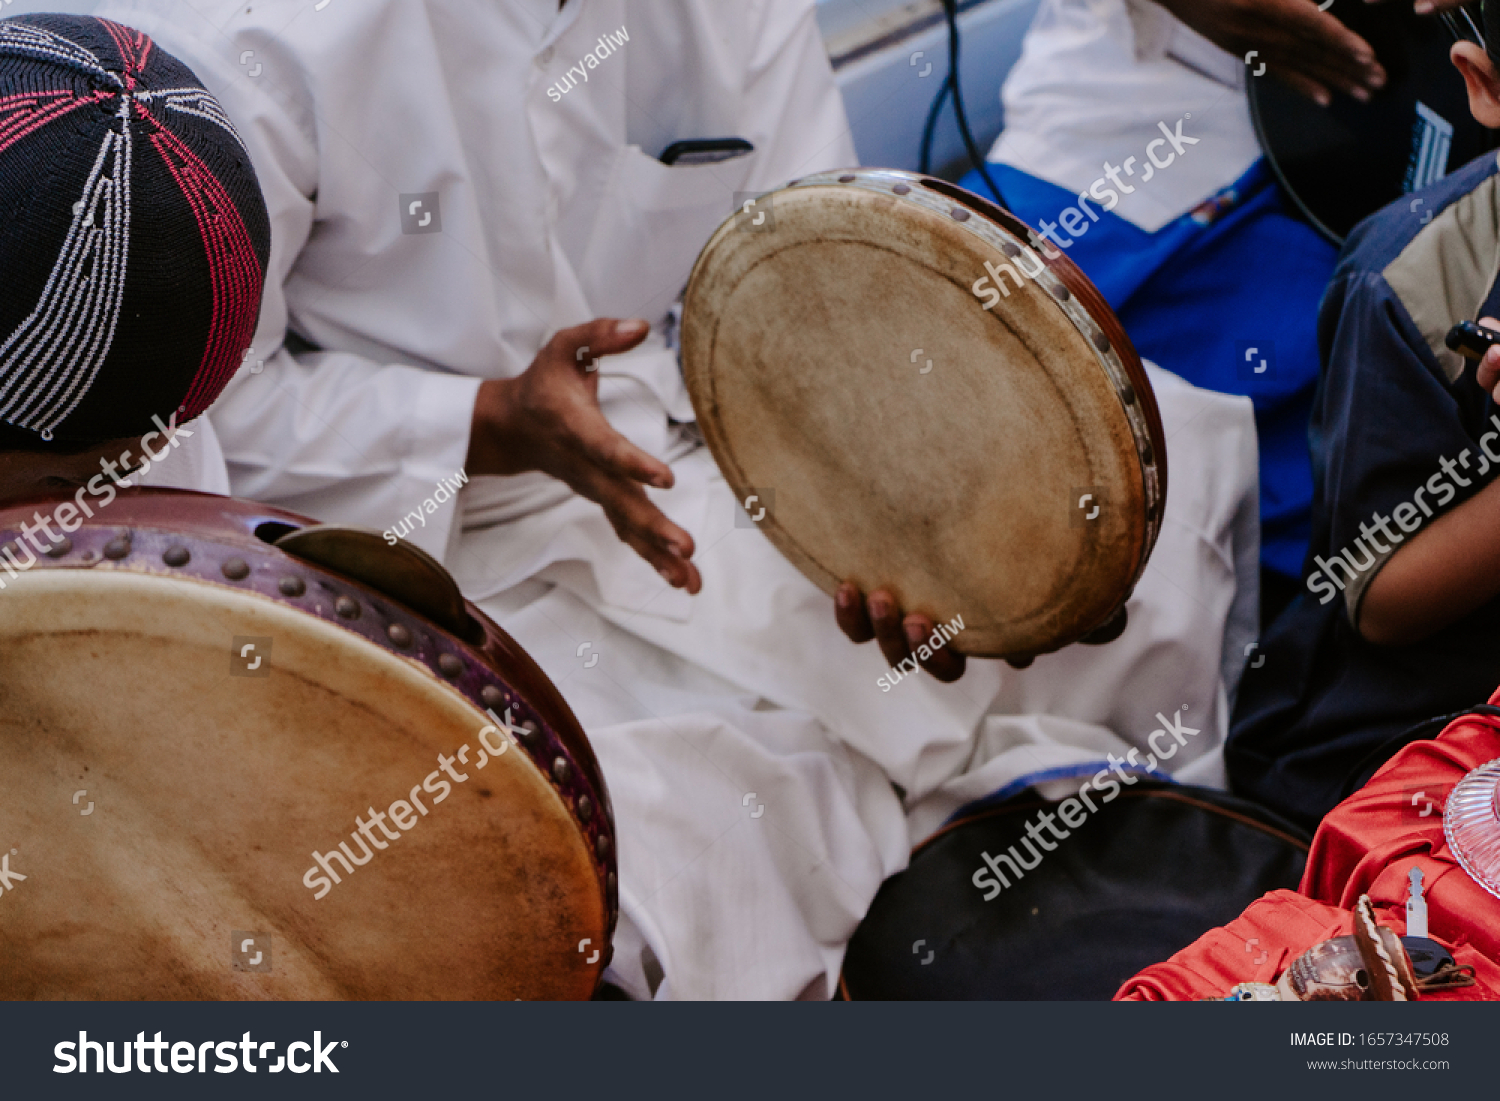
1000,461
1163,864
228,771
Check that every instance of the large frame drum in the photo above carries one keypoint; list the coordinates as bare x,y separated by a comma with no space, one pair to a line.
231,769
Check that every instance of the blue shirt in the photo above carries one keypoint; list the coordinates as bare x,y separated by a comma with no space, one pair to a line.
1226,297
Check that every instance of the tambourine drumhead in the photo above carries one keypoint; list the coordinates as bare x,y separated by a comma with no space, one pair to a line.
204,786
1342,163
1002,466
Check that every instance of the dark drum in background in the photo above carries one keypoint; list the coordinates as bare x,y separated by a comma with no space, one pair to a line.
1139,880
1342,163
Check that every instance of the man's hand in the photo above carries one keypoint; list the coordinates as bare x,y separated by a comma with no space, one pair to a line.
880,618
549,419
1308,49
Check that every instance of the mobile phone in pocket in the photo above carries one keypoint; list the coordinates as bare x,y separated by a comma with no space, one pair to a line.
705,151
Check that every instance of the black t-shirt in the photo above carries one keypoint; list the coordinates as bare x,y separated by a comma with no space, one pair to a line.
1401,433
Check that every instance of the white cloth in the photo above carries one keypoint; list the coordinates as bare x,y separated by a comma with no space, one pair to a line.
1095,82
750,752
553,210
197,462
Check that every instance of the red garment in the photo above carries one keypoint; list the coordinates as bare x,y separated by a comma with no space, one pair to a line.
1366,845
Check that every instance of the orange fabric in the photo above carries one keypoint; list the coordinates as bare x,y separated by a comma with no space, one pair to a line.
1366,845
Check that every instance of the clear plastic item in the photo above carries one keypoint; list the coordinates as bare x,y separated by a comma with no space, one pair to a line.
1471,822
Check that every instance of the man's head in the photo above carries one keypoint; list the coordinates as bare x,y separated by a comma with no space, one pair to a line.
1480,62
133,242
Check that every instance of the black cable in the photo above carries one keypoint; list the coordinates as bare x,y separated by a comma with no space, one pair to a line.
924,162
950,9
1462,26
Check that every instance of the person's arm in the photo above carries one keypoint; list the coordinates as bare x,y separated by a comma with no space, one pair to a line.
1446,571
1311,50
332,434
1400,480
345,438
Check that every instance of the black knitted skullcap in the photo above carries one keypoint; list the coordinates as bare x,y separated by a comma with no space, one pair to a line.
133,236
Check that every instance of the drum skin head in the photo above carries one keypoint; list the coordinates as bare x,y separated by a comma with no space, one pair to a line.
209,792
977,463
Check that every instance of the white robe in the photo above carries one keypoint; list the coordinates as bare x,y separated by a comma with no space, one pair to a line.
197,462
749,751
1096,81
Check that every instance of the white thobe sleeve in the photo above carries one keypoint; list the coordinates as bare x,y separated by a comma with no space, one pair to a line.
343,439
333,435
196,462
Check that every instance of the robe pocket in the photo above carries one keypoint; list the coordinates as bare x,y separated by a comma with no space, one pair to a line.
653,221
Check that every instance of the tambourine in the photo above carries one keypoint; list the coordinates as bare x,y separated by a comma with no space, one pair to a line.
244,756
923,395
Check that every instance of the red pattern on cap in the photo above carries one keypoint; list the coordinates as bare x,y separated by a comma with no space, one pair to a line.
234,270
134,49
27,112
